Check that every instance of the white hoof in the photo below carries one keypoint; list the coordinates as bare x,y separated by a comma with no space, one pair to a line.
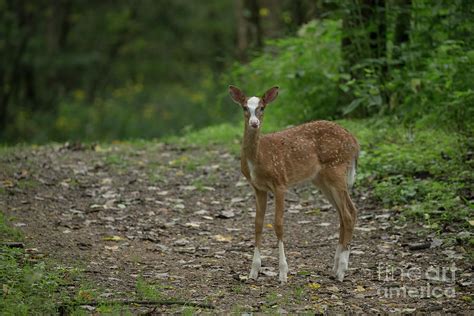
256,264
340,275
254,273
283,278
342,265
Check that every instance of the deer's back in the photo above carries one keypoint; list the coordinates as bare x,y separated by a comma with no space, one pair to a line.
331,143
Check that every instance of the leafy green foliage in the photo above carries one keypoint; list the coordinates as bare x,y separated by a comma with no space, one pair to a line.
103,71
424,172
306,69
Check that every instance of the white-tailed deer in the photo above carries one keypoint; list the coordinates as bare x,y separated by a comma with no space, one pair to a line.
321,152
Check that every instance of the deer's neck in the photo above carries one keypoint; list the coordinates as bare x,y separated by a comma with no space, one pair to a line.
250,143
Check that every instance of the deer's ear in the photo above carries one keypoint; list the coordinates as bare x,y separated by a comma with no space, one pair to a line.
237,95
270,95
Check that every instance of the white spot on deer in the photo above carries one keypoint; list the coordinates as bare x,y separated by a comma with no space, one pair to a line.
252,104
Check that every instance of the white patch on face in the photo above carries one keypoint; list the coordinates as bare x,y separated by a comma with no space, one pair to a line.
252,104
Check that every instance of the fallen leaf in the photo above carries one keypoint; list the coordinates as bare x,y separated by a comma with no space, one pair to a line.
315,211
179,206
324,224
181,242
113,238
8,183
314,286
222,238
188,187
226,214
304,222
113,248
193,224
201,212
236,200
365,229
269,273
471,222
359,289
269,225
85,295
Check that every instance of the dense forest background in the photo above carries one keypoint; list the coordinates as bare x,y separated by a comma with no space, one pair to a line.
105,70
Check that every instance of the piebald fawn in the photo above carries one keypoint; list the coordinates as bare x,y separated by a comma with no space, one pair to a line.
321,152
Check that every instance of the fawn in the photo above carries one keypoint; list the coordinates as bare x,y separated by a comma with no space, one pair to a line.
320,151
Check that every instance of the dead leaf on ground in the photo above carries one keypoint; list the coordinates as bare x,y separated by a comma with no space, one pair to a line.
314,286
222,238
113,248
113,238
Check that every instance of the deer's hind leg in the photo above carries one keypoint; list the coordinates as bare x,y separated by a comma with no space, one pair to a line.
333,184
278,225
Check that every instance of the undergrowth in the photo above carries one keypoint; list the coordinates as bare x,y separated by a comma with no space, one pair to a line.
29,286
425,173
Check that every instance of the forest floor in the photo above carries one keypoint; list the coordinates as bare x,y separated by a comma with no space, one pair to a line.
167,222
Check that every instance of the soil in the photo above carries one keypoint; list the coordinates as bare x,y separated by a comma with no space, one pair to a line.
182,218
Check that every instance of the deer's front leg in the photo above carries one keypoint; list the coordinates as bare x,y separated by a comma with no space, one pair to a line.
261,197
279,210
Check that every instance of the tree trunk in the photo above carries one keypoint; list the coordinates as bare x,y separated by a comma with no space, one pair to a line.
249,28
271,18
402,29
242,38
364,34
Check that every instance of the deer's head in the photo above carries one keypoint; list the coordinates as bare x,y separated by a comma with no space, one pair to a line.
253,107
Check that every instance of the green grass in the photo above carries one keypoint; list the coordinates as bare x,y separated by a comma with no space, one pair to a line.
224,134
147,291
423,172
8,233
29,287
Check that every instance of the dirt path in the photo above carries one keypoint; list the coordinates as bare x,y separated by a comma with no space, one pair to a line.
183,218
